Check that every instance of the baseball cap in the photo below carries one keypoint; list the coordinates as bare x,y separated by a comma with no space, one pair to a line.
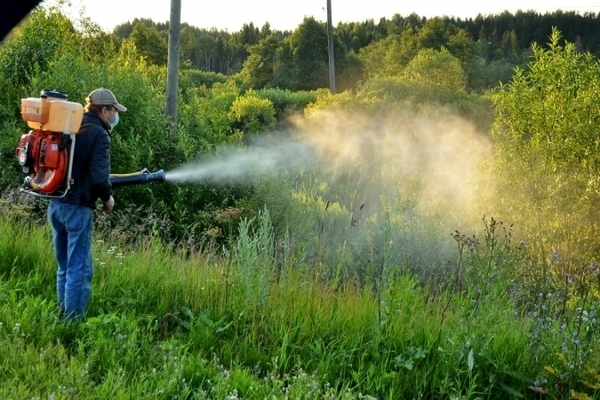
104,97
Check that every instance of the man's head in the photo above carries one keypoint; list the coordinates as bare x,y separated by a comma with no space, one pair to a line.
104,103
104,97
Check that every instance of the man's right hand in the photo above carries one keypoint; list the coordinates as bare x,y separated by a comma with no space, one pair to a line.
108,205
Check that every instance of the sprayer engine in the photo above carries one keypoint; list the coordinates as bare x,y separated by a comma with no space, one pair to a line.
45,152
44,157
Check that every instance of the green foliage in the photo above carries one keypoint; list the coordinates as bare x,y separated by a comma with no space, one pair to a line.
387,57
335,280
381,94
350,76
310,56
11,171
298,62
162,324
286,102
23,57
252,114
475,41
377,159
254,254
262,67
546,142
197,78
436,68
210,118
497,73
149,43
29,50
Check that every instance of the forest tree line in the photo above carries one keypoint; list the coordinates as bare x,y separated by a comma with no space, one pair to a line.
487,46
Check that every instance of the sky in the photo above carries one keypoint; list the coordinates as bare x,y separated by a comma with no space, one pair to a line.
231,15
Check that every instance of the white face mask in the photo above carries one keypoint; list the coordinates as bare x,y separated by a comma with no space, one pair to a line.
115,121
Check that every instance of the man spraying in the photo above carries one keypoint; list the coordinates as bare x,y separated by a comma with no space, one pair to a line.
71,217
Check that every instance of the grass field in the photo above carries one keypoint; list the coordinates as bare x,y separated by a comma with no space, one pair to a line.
164,324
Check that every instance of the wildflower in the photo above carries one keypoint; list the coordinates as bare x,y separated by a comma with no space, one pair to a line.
577,342
228,214
538,389
554,256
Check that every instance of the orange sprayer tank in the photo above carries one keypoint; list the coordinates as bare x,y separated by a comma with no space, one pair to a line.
52,112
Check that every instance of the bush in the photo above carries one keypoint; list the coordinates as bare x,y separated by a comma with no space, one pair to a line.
252,114
285,101
197,78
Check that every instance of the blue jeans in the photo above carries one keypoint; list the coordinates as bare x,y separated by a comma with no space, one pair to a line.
72,235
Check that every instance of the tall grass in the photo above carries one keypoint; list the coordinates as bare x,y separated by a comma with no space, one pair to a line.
165,324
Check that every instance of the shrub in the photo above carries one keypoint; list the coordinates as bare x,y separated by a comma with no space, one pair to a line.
198,78
252,114
285,101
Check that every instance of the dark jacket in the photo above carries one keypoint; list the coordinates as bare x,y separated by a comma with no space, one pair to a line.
91,164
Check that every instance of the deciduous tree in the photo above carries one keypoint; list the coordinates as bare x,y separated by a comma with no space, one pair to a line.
436,68
260,68
548,149
150,44
310,56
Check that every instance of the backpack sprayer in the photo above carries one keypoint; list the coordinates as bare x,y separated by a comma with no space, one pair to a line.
46,152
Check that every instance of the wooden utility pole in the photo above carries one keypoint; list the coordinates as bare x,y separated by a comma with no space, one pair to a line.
330,45
173,63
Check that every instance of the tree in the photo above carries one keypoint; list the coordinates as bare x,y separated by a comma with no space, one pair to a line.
388,57
250,35
206,51
462,46
310,55
510,45
252,114
436,68
434,34
261,65
188,45
28,49
548,150
150,44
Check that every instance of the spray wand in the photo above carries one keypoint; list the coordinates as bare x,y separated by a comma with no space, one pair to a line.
135,178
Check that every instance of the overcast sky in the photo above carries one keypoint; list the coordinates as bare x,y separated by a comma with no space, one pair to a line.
288,14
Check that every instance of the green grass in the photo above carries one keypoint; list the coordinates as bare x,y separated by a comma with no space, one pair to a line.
167,325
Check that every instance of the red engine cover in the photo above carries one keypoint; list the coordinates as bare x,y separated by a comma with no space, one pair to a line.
44,159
